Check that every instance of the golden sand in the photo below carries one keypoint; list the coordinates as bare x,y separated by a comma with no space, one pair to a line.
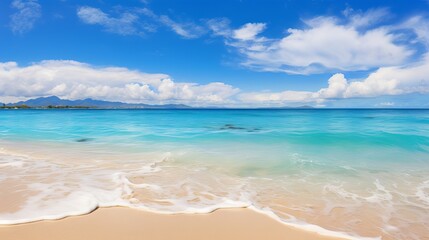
128,224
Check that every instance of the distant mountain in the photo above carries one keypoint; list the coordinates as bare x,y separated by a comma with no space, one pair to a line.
54,101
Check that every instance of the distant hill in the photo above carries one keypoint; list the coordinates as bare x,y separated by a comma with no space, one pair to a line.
56,102
53,101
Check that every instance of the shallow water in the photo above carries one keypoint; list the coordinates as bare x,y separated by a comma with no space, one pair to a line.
363,173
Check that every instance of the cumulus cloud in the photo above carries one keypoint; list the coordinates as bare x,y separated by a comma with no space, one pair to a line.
393,81
403,79
358,42
324,44
76,80
337,85
27,13
125,24
386,81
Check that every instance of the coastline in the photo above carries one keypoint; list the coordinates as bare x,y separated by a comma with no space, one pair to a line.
126,223
293,168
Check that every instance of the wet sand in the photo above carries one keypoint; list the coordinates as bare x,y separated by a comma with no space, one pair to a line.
129,224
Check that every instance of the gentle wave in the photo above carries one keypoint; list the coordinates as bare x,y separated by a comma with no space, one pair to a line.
156,184
58,195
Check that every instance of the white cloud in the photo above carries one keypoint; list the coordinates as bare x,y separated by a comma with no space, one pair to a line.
328,44
277,98
184,29
420,26
368,18
325,44
248,31
337,85
137,22
124,25
220,27
393,81
383,82
28,12
409,78
75,80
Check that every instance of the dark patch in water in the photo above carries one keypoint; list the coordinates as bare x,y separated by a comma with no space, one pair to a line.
253,130
83,140
233,127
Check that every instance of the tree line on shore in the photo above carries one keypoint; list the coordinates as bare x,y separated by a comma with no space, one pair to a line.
24,106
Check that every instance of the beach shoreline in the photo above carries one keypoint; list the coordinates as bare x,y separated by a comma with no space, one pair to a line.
355,184
126,223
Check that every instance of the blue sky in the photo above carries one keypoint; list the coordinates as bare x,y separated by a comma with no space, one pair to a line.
218,53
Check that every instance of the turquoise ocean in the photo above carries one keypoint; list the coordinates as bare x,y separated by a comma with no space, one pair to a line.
355,173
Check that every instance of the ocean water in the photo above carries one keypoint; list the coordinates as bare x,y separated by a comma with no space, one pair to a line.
351,173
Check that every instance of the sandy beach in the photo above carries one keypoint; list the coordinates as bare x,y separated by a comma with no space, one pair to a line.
125,223
187,169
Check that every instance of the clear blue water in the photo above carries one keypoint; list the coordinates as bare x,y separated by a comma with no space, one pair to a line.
294,163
